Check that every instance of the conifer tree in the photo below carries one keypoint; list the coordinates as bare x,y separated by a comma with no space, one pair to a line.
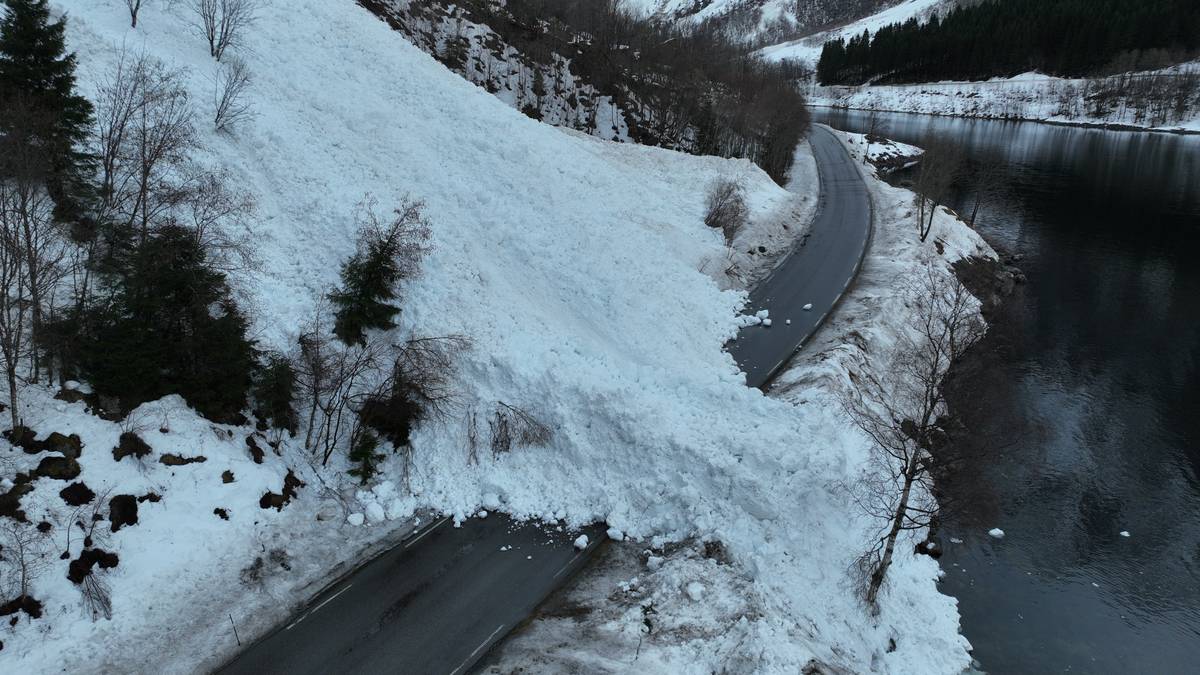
37,76
387,254
365,455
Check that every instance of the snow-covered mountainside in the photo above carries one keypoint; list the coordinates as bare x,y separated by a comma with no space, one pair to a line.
1166,100
594,297
807,49
765,21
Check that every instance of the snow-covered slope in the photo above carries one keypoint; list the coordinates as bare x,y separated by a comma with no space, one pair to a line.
767,21
808,49
574,265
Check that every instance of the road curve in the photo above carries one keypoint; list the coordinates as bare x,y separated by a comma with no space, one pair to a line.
434,604
818,270
441,599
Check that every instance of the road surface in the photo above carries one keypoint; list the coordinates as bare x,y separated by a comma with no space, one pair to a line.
434,604
817,272
437,603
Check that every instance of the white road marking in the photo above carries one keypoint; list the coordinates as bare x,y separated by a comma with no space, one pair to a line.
326,602
569,563
481,646
426,531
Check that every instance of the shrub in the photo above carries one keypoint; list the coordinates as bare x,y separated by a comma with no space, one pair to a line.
726,207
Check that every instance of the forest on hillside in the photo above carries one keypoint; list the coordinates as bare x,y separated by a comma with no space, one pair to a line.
1071,38
684,88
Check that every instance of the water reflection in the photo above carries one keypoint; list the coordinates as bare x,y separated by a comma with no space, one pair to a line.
1086,401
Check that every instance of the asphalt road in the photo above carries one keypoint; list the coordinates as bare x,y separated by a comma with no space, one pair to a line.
440,600
817,271
434,604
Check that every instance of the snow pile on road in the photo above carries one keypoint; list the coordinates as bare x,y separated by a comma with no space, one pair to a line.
636,583
1029,96
581,270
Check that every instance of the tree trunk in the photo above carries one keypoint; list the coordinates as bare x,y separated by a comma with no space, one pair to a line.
877,576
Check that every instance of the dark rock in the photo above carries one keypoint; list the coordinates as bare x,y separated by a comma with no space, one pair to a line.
227,476
177,460
122,511
68,446
77,494
23,437
10,502
222,513
58,468
152,497
255,452
131,444
70,395
23,603
88,558
278,501
44,527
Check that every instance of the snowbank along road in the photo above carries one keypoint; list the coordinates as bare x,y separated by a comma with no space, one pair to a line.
806,286
439,601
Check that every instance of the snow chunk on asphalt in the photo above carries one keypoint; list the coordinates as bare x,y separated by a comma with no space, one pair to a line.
355,519
695,591
615,534
582,542
766,322
482,514
808,307
1124,533
375,513
996,532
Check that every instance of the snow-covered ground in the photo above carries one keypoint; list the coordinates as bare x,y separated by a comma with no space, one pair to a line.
1031,96
584,274
807,50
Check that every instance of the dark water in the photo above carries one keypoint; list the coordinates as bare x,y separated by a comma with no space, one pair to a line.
1085,405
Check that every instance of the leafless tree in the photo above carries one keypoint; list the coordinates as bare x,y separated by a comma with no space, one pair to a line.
29,229
135,6
23,558
144,137
941,166
215,209
331,377
903,412
875,127
511,427
726,207
424,367
223,23
231,82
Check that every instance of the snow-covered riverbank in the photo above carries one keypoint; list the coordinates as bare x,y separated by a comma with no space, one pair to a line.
1170,102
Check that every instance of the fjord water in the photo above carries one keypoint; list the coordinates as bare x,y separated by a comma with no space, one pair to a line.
1083,402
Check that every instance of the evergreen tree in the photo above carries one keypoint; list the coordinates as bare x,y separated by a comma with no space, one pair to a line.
37,76
273,393
364,454
172,327
387,254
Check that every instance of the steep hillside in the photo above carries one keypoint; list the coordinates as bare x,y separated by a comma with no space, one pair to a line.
765,21
807,49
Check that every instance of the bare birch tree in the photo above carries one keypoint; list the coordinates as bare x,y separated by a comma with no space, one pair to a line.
903,412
